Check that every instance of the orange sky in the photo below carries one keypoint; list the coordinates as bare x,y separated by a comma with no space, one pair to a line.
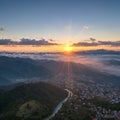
50,48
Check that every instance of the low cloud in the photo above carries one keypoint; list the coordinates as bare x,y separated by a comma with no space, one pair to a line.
92,39
51,40
25,41
84,44
90,42
94,42
6,41
111,43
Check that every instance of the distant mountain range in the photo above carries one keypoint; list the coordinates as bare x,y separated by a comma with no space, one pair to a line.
99,52
30,101
112,62
13,70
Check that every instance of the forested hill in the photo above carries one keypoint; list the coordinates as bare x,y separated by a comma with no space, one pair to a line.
30,101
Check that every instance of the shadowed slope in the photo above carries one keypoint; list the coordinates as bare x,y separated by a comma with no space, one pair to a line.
36,97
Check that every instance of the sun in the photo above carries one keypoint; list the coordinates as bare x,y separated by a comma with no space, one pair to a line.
68,48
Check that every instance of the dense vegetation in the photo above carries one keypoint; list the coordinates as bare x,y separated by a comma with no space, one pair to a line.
75,109
104,103
72,111
29,101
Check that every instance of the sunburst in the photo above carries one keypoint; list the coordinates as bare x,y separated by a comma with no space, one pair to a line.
68,48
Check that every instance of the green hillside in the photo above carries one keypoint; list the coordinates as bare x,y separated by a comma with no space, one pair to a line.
30,101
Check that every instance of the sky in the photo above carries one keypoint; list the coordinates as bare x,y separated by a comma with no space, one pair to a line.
62,21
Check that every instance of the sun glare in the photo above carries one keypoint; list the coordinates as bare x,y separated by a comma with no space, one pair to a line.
68,48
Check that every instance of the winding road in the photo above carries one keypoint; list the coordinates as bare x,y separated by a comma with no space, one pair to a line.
58,107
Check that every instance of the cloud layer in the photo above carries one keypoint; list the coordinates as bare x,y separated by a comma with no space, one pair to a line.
94,42
26,41
90,42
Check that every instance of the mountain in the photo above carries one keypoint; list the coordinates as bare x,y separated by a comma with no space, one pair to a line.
78,72
4,81
20,68
30,101
24,69
112,62
99,52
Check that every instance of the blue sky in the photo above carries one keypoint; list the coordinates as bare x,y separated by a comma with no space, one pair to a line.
62,20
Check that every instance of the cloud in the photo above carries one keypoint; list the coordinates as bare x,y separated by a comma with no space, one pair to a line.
94,42
2,29
52,40
86,27
111,43
90,42
84,44
92,39
6,41
26,41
